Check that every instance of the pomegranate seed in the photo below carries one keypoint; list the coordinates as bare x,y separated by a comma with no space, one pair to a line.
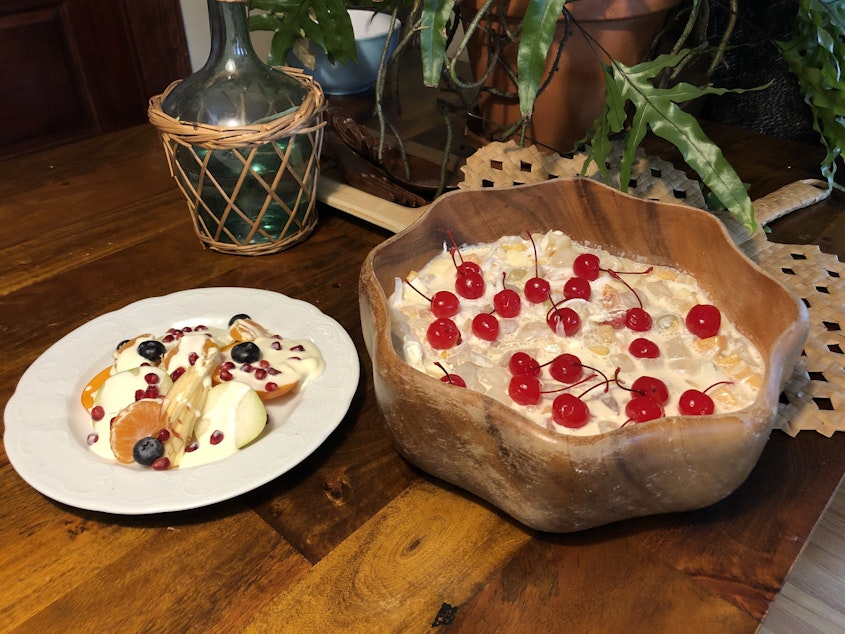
163,435
276,345
297,348
216,437
246,367
177,373
264,363
270,387
92,438
139,394
192,447
97,412
151,378
201,328
161,464
193,357
151,392
225,375
294,358
187,329
260,373
229,365
273,371
167,339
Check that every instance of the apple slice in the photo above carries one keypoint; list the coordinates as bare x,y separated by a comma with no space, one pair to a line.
233,408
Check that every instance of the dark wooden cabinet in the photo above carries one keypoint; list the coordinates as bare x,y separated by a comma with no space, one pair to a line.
76,68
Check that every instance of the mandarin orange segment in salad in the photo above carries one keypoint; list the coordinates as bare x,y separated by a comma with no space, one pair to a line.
193,395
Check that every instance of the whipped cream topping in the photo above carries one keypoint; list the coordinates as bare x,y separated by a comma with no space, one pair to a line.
728,361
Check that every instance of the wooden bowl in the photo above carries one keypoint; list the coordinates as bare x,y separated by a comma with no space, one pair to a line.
561,483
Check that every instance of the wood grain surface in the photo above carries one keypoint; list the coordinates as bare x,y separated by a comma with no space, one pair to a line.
353,538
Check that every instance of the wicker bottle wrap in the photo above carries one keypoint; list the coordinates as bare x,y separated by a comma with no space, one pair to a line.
191,147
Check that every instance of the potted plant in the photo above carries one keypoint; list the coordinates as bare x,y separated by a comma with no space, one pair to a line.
651,95
639,96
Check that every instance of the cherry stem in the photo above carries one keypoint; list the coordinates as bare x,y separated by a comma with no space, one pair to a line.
416,289
620,383
704,391
558,304
577,383
455,249
605,382
445,371
534,245
615,275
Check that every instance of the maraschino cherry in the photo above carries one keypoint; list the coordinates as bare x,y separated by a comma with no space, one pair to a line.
704,320
524,389
570,411
641,409
485,326
636,318
449,377
566,368
443,333
443,303
577,288
563,320
523,364
537,289
643,348
469,282
653,387
507,302
587,266
698,402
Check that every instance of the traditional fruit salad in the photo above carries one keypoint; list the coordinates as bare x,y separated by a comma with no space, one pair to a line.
576,339
194,394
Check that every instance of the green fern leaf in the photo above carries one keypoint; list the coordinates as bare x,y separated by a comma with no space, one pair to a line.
658,110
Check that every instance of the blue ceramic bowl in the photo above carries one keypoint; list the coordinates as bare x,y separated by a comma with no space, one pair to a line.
350,78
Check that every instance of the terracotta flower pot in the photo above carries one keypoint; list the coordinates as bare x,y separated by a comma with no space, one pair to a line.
568,106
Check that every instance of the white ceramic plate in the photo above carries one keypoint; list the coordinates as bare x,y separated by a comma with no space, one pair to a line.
46,426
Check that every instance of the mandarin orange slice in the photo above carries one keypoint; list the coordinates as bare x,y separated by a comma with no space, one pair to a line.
90,389
135,421
247,330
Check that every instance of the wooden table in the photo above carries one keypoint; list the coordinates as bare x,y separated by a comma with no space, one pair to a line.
352,539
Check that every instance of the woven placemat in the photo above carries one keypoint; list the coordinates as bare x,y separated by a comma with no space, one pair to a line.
504,164
814,396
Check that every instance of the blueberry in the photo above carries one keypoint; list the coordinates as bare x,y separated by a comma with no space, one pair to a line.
147,450
151,350
246,352
121,344
238,316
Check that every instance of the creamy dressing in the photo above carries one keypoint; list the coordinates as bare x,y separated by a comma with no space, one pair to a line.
602,342
235,413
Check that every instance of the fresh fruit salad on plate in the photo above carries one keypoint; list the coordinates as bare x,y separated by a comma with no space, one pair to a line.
577,339
194,394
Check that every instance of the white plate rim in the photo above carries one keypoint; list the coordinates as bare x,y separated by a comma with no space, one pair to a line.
44,422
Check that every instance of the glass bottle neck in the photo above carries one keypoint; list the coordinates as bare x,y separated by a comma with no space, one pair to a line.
229,32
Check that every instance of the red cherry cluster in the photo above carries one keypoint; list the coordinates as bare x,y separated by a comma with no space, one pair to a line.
649,394
525,386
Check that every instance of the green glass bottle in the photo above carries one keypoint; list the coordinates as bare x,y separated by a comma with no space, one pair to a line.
236,88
